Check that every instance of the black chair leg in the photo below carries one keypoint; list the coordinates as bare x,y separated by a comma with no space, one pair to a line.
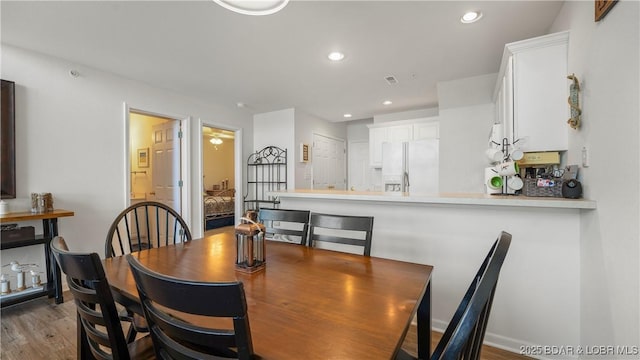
131,333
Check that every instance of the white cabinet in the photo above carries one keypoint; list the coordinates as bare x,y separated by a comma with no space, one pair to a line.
532,91
426,130
398,131
377,136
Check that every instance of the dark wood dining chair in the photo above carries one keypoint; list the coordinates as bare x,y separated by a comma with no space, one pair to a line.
341,229
463,337
161,296
143,225
282,224
99,329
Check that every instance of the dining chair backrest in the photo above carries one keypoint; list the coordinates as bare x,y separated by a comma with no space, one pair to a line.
145,225
341,229
286,225
99,328
161,296
465,333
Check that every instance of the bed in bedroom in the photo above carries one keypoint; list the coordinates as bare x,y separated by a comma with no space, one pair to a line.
219,208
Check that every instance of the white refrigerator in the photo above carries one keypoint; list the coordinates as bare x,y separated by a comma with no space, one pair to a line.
411,167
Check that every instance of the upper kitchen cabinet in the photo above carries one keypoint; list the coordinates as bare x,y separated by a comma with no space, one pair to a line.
398,131
531,93
426,130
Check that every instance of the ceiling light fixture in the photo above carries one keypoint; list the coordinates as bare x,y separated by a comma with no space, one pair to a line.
471,17
335,56
215,141
387,102
256,7
347,115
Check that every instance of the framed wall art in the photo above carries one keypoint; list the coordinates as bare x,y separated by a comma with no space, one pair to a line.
143,157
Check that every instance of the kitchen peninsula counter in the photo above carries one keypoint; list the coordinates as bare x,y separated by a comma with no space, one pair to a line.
443,198
453,232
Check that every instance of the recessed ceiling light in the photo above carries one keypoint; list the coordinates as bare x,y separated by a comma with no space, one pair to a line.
347,115
262,7
471,17
387,102
335,56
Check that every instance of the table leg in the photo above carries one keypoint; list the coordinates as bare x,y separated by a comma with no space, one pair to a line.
424,325
50,229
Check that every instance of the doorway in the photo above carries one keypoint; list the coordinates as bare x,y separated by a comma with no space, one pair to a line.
155,147
218,177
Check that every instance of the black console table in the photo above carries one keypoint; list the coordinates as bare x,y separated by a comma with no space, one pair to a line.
53,287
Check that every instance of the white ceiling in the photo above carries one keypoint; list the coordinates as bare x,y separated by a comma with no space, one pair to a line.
279,61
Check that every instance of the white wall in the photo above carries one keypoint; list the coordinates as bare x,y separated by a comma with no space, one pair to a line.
605,58
289,128
466,114
358,130
305,126
71,140
276,128
405,115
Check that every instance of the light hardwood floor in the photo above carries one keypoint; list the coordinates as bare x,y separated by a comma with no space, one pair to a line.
39,329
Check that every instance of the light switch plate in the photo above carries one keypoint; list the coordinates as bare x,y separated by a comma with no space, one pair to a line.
585,157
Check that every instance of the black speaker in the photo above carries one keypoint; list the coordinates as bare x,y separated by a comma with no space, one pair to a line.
571,189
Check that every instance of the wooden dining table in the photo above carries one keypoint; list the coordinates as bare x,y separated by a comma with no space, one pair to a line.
307,303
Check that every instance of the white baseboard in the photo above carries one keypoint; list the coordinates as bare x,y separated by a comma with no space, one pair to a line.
502,342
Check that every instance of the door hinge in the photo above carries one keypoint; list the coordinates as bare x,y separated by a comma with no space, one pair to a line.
179,134
180,183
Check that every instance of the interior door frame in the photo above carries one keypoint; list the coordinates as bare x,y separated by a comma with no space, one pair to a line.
238,161
185,167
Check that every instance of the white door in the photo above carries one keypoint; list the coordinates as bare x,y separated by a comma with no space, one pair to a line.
165,164
328,162
360,174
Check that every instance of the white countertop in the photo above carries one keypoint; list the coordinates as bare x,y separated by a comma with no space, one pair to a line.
442,198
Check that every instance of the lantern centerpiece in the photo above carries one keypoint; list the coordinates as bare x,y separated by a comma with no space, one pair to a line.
250,247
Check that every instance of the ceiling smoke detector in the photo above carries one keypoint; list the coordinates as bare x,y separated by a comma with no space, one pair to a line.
391,80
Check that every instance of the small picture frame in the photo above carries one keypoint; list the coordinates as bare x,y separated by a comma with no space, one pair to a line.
602,7
143,157
304,152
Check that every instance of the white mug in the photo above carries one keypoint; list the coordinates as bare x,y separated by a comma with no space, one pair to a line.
508,168
516,154
492,181
515,182
494,155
